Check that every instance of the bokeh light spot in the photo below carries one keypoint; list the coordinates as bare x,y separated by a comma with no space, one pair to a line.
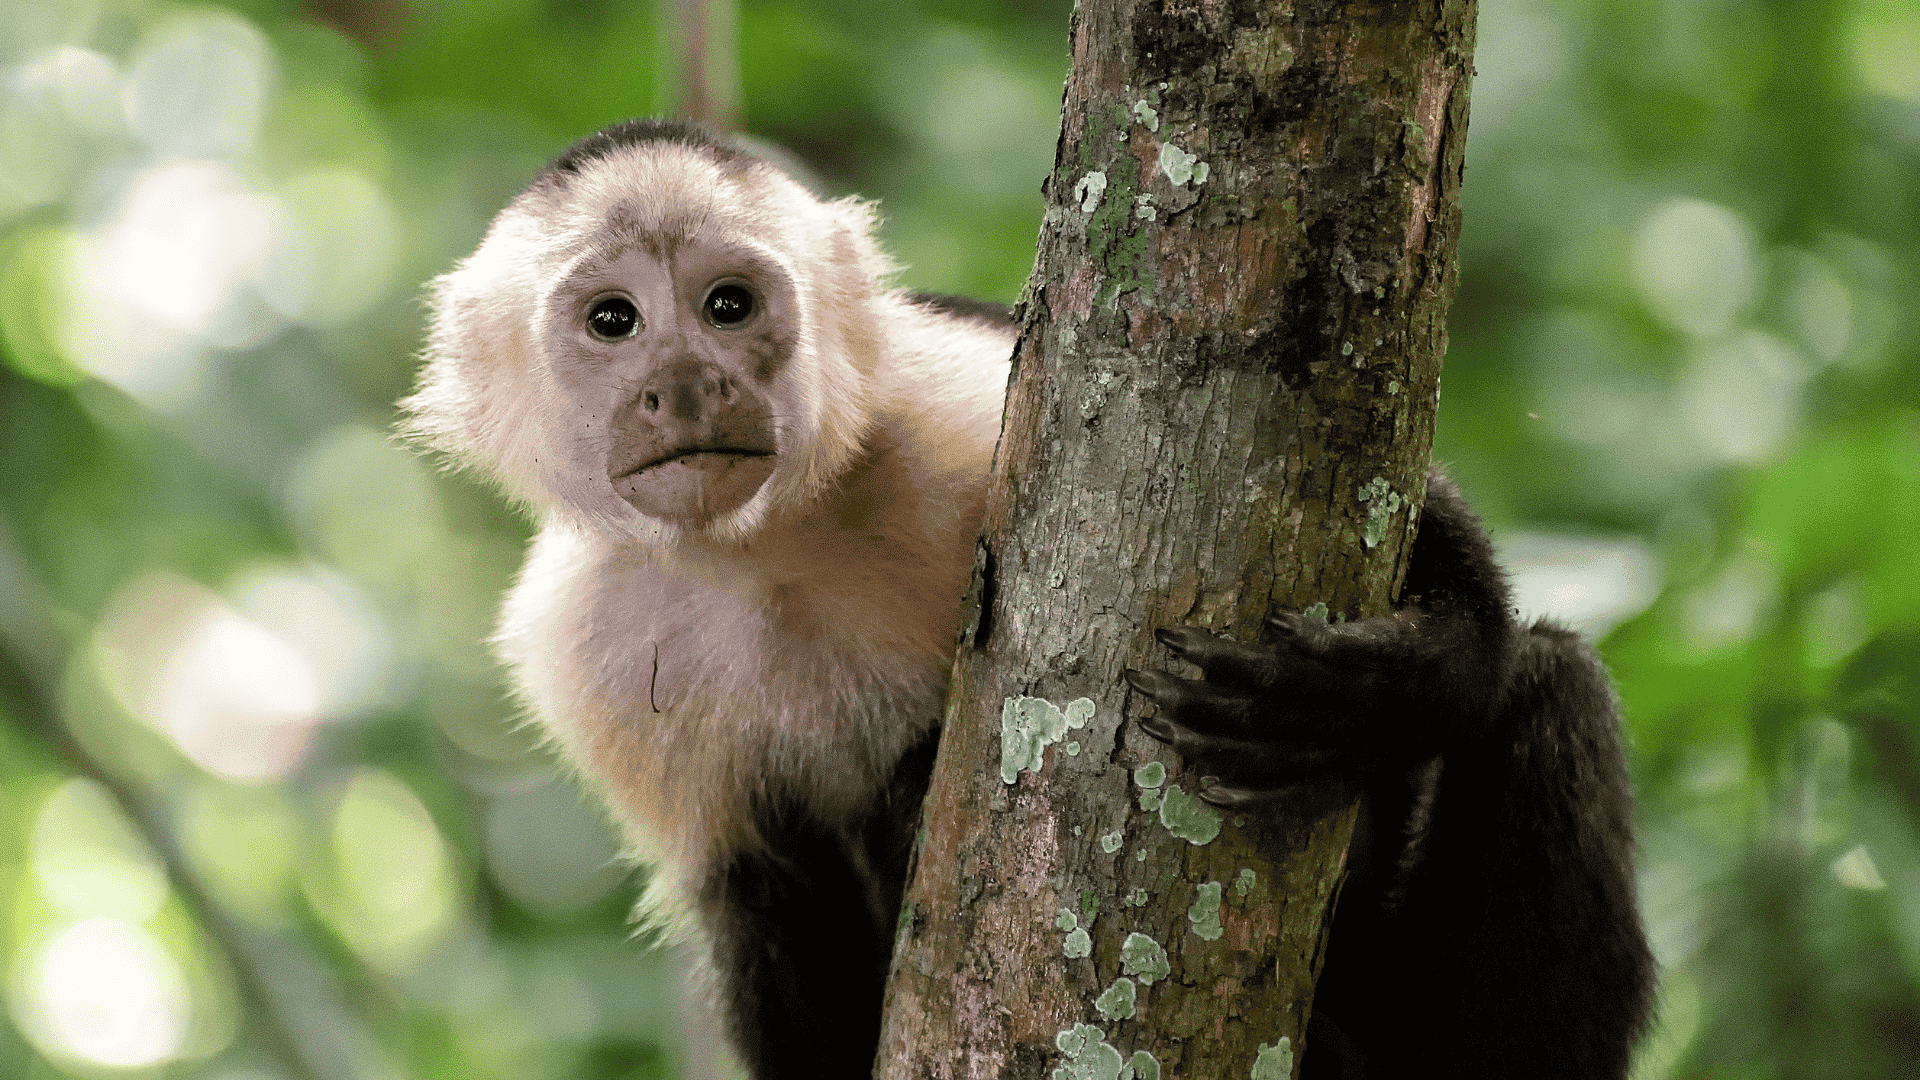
332,625
47,108
34,307
1837,622
1696,266
549,850
1818,307
1731,605
187,236
158,282
235,698
393,875
199,85
977,110
104,991
87,860
32,25
1587,583
85,83
364,503
1886,48
1520,59
1856,870
1741,396
337,253
244,840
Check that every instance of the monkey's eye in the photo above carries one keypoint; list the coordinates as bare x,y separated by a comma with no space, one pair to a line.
729,305
613,318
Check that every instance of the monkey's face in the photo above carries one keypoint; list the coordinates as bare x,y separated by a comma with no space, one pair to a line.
660,342
673,351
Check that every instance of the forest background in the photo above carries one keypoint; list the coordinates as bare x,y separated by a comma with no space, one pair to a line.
265,812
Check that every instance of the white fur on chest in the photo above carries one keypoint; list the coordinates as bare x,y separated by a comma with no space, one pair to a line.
690,695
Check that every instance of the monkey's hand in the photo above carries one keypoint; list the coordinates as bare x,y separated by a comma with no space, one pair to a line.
1315,706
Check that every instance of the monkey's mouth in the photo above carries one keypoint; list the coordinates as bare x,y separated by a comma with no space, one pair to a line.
703,458
695,484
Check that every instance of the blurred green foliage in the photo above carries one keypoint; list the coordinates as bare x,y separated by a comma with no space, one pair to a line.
266,812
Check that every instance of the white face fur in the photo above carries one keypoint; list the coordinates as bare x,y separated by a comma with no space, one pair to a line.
664,342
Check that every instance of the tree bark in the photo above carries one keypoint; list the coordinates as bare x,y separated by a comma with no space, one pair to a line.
1222,402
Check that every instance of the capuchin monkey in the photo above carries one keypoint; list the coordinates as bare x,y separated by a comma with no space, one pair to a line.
759,473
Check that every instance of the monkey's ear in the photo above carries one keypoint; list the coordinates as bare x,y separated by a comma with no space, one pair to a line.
480,399
860,218
842,341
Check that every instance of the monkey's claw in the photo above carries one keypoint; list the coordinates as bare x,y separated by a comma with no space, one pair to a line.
1160,729
1182,639
1227,798
1147,682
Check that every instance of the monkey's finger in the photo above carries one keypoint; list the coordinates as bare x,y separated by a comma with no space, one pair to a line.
1238,798
1193,703
1230,662
1242,761
1294,624
1298,791
1186,742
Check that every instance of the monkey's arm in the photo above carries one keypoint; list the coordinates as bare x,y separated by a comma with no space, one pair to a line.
800,969
801,931
1489,926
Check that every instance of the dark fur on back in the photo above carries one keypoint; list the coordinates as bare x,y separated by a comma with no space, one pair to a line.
637,132
965,307
1503,906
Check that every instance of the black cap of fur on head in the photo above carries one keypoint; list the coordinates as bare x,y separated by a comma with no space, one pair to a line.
629,133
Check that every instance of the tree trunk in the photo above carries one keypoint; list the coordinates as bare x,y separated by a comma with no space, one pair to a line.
1222,402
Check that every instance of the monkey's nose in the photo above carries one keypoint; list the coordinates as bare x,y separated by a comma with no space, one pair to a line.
686,391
